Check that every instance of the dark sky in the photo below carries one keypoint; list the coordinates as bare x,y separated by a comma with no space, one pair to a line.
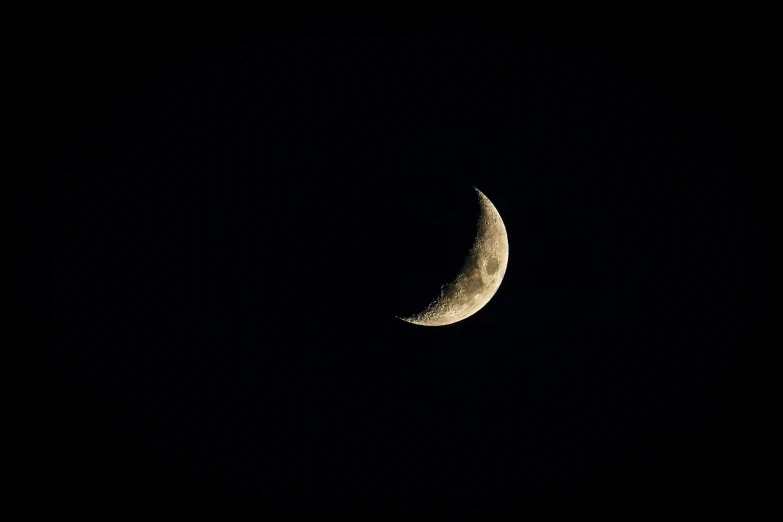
226,225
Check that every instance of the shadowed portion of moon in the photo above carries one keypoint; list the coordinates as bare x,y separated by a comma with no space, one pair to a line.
480,277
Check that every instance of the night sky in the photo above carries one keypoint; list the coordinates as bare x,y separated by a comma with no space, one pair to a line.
225,226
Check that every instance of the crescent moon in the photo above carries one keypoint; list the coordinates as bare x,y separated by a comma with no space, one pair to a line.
480,276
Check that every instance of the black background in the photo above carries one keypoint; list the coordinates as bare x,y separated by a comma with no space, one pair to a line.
218,230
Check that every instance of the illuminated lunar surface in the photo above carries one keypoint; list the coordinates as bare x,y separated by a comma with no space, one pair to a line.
479,278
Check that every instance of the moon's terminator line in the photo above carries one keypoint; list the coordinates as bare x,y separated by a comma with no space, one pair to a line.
480,276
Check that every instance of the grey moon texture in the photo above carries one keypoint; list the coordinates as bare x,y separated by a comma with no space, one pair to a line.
479,278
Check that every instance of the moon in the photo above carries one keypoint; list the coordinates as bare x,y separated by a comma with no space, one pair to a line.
479,278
